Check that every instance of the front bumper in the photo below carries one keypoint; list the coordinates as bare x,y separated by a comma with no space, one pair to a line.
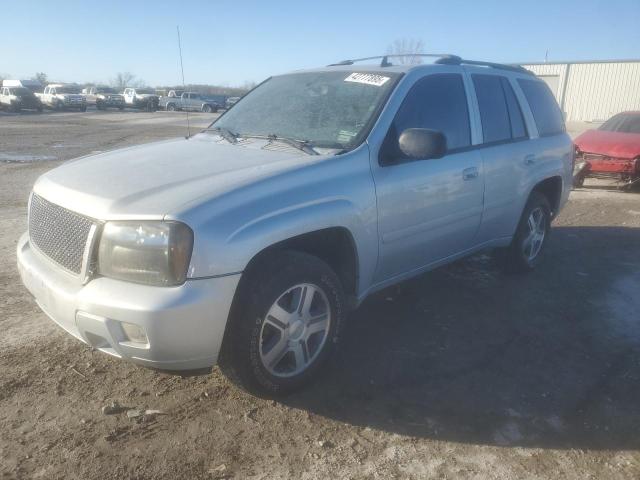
184,324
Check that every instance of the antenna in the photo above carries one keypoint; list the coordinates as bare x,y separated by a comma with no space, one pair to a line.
183,86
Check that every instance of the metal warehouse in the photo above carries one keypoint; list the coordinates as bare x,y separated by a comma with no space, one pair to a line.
592,91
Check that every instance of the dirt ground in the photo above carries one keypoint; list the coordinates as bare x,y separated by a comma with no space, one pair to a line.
462,373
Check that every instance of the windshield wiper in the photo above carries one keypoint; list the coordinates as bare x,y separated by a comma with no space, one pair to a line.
302,145
225,133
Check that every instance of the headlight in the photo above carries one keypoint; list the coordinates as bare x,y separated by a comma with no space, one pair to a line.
153,253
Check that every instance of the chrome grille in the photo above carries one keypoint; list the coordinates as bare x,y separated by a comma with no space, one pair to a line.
58,233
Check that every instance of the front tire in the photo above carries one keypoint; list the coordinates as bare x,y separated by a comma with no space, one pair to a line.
527,247
207,108
285,323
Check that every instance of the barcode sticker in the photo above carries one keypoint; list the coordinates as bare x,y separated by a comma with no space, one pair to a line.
367,79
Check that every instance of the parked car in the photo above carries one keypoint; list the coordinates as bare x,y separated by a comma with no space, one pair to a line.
249,242
63,97
33,85
612,151
231,101
142,98
103,97
19,98
191,101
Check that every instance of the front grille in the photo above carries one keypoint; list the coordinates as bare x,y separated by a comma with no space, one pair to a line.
58,233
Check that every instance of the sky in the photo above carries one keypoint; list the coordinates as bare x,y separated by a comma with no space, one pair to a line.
232,43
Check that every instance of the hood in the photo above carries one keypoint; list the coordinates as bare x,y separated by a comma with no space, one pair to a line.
150,181
611,144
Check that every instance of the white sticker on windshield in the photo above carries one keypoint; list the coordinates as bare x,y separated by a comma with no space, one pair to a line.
367,79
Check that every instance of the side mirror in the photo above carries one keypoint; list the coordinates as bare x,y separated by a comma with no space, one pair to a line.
422,143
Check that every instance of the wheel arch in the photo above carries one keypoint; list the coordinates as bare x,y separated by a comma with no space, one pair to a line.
335,246
551,188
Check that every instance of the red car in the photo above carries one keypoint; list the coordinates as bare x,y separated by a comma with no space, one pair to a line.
612,151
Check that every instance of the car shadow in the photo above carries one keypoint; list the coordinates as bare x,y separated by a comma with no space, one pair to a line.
466,353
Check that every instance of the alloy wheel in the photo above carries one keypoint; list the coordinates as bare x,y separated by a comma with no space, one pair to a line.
294,330
537,229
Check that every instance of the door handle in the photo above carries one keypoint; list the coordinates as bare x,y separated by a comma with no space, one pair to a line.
530,159
470,173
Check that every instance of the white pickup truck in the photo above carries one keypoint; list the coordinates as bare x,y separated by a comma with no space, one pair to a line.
62,97
142,98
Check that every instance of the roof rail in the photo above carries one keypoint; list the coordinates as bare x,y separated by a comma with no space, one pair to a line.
442,59
499,66
385,58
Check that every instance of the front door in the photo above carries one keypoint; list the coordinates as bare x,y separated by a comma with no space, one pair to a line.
429,209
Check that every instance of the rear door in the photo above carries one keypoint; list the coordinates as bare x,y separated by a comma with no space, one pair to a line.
195,101
428,210
506,154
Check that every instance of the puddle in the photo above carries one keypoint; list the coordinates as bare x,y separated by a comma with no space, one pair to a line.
17,158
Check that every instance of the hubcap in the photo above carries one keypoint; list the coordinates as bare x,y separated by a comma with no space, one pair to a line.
537,228
295,330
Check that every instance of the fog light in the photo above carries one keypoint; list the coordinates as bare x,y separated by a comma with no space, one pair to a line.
134,333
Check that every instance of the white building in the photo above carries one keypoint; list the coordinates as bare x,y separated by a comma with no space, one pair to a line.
592,91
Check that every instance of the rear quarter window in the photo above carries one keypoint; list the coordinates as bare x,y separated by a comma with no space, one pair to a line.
546,112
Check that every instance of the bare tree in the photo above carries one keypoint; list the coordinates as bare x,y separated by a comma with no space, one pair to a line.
409,48
126,79
40,77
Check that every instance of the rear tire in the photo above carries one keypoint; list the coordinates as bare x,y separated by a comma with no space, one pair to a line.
207,108
171,107
527,247
284,325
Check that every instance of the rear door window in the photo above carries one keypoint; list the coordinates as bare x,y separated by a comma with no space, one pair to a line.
494,113
500,112
544,107
437,102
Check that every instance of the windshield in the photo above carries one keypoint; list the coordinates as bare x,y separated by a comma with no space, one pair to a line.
625,123
67,89
326,109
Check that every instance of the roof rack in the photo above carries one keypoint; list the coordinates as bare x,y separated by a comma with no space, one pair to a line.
385,58
442,59
499,66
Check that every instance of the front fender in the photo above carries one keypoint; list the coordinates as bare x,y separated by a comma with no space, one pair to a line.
338,193
250,239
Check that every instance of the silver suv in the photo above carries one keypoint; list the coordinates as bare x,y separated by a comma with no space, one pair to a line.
248,243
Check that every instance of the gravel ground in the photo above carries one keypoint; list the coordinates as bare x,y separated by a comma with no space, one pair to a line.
461,373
